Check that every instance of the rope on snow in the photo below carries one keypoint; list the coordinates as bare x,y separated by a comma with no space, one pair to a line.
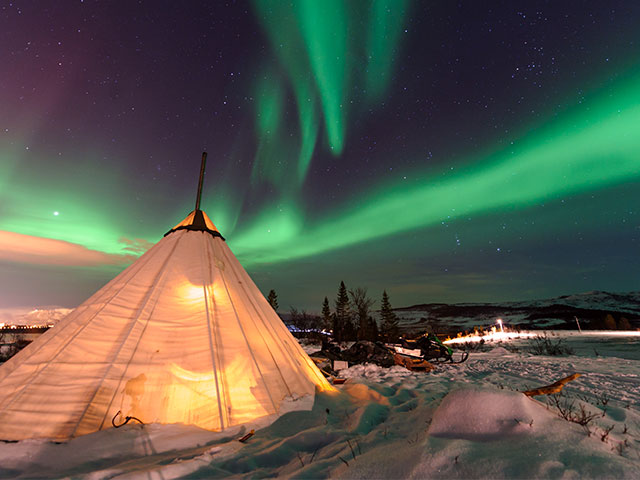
127,419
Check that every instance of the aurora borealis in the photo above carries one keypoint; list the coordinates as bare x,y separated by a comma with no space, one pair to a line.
446,152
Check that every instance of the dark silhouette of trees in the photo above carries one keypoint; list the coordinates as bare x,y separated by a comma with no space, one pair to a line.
366,327
272,298
306,324
327,318
342,327
388,320
351,318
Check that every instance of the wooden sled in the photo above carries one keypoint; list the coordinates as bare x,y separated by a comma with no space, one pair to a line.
415,364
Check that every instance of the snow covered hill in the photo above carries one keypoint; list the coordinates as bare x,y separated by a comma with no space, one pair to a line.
33,316
591,308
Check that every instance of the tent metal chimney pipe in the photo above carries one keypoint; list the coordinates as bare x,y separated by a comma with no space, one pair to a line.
202,167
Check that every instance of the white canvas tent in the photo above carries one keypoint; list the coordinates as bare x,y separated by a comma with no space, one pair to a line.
181,336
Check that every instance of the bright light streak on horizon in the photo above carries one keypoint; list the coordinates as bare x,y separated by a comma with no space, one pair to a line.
492,336
617,333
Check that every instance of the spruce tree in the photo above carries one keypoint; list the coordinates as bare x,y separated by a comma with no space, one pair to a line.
273,299
326,314
389,321
342,314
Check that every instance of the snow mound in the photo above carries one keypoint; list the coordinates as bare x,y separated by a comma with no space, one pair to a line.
486,415
361,394
498,352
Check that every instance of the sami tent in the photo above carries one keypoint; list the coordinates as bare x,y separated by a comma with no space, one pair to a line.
183,335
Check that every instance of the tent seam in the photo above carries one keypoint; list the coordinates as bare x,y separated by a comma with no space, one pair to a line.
209,328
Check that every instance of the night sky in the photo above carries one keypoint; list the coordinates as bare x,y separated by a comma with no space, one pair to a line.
445,151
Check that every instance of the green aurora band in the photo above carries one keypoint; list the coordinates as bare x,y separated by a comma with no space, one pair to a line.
28,205
312,41
591,148
382,39
324,28
595,147
284,34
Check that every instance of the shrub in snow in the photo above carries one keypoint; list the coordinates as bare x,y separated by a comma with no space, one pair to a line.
566,408
543,345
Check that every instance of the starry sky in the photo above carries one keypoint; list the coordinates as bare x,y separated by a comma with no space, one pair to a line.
444,151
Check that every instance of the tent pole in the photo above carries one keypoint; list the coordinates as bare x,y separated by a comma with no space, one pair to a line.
202,166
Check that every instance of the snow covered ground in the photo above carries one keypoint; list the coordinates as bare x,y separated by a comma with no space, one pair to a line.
464,421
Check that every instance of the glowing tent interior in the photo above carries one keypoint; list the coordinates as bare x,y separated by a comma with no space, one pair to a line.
183,335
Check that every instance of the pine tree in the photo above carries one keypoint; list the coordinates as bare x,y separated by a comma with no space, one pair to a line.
342,315
389,321
326,314
273,299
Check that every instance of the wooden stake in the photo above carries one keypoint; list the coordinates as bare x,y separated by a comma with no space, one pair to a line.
202,166
553,388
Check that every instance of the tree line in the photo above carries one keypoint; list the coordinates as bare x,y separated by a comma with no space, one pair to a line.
350,319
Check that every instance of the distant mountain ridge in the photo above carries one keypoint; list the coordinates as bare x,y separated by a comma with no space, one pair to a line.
591,309
33,316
